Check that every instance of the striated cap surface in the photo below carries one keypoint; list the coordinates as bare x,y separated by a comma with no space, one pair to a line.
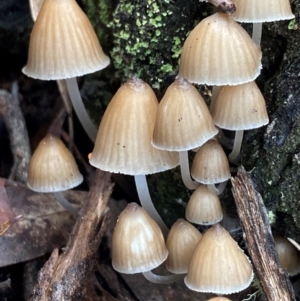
219,51
63,43
52,167
262,11
240,107
123,143
218,265
137,243
183,120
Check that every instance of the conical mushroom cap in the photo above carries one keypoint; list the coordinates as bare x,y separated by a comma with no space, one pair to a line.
219,51
218,265
183,120
181,242
240,107
123,143
204,207
288,255
63,43
262,11
137,243
210,164
52,167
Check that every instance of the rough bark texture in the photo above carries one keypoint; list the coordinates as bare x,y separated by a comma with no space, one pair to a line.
15,124
260,243
66,276
273,152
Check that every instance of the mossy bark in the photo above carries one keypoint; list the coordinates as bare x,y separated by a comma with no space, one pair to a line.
147,40
272,153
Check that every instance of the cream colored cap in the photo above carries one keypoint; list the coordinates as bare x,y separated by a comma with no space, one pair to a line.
240,107
183,120
137,242
288,255
204,207
218,265
63,43
181,242
210,164
262,10
123,143
52,167
219,51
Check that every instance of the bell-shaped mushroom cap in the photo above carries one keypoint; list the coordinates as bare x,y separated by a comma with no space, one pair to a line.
219,51
288,255
52,167
63,43
137,243
218,265
181,242
262,11
123,143
204,207
210,164
220,298
240,107
183,120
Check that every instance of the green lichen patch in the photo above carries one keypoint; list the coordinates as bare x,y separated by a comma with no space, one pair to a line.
148,37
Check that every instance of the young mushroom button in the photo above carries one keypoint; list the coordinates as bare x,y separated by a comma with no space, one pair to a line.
52,168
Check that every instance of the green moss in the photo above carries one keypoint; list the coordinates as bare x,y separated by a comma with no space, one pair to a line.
100,13
148,37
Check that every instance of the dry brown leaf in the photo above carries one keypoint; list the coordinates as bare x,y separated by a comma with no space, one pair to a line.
7,216
45,225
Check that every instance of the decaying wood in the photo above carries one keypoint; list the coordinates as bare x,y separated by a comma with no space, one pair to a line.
15,123
254,220
226,6
64,277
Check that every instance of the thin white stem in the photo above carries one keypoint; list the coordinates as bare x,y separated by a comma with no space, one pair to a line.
185,171
163,279
147,204
222,139
217,190
256,33
62,201
80,110
238,139
215,93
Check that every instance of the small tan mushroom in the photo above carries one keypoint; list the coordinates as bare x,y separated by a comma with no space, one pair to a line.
137,243
181,242
63,43
218,265
219,51
288,255
204,207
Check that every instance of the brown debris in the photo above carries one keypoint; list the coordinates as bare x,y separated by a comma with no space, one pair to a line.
226,6
64,277
44,226
258,235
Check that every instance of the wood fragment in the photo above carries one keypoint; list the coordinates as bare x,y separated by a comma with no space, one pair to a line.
16,127
226,6
260,243
64,277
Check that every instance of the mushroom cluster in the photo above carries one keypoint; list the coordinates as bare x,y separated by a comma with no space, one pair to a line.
139,136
